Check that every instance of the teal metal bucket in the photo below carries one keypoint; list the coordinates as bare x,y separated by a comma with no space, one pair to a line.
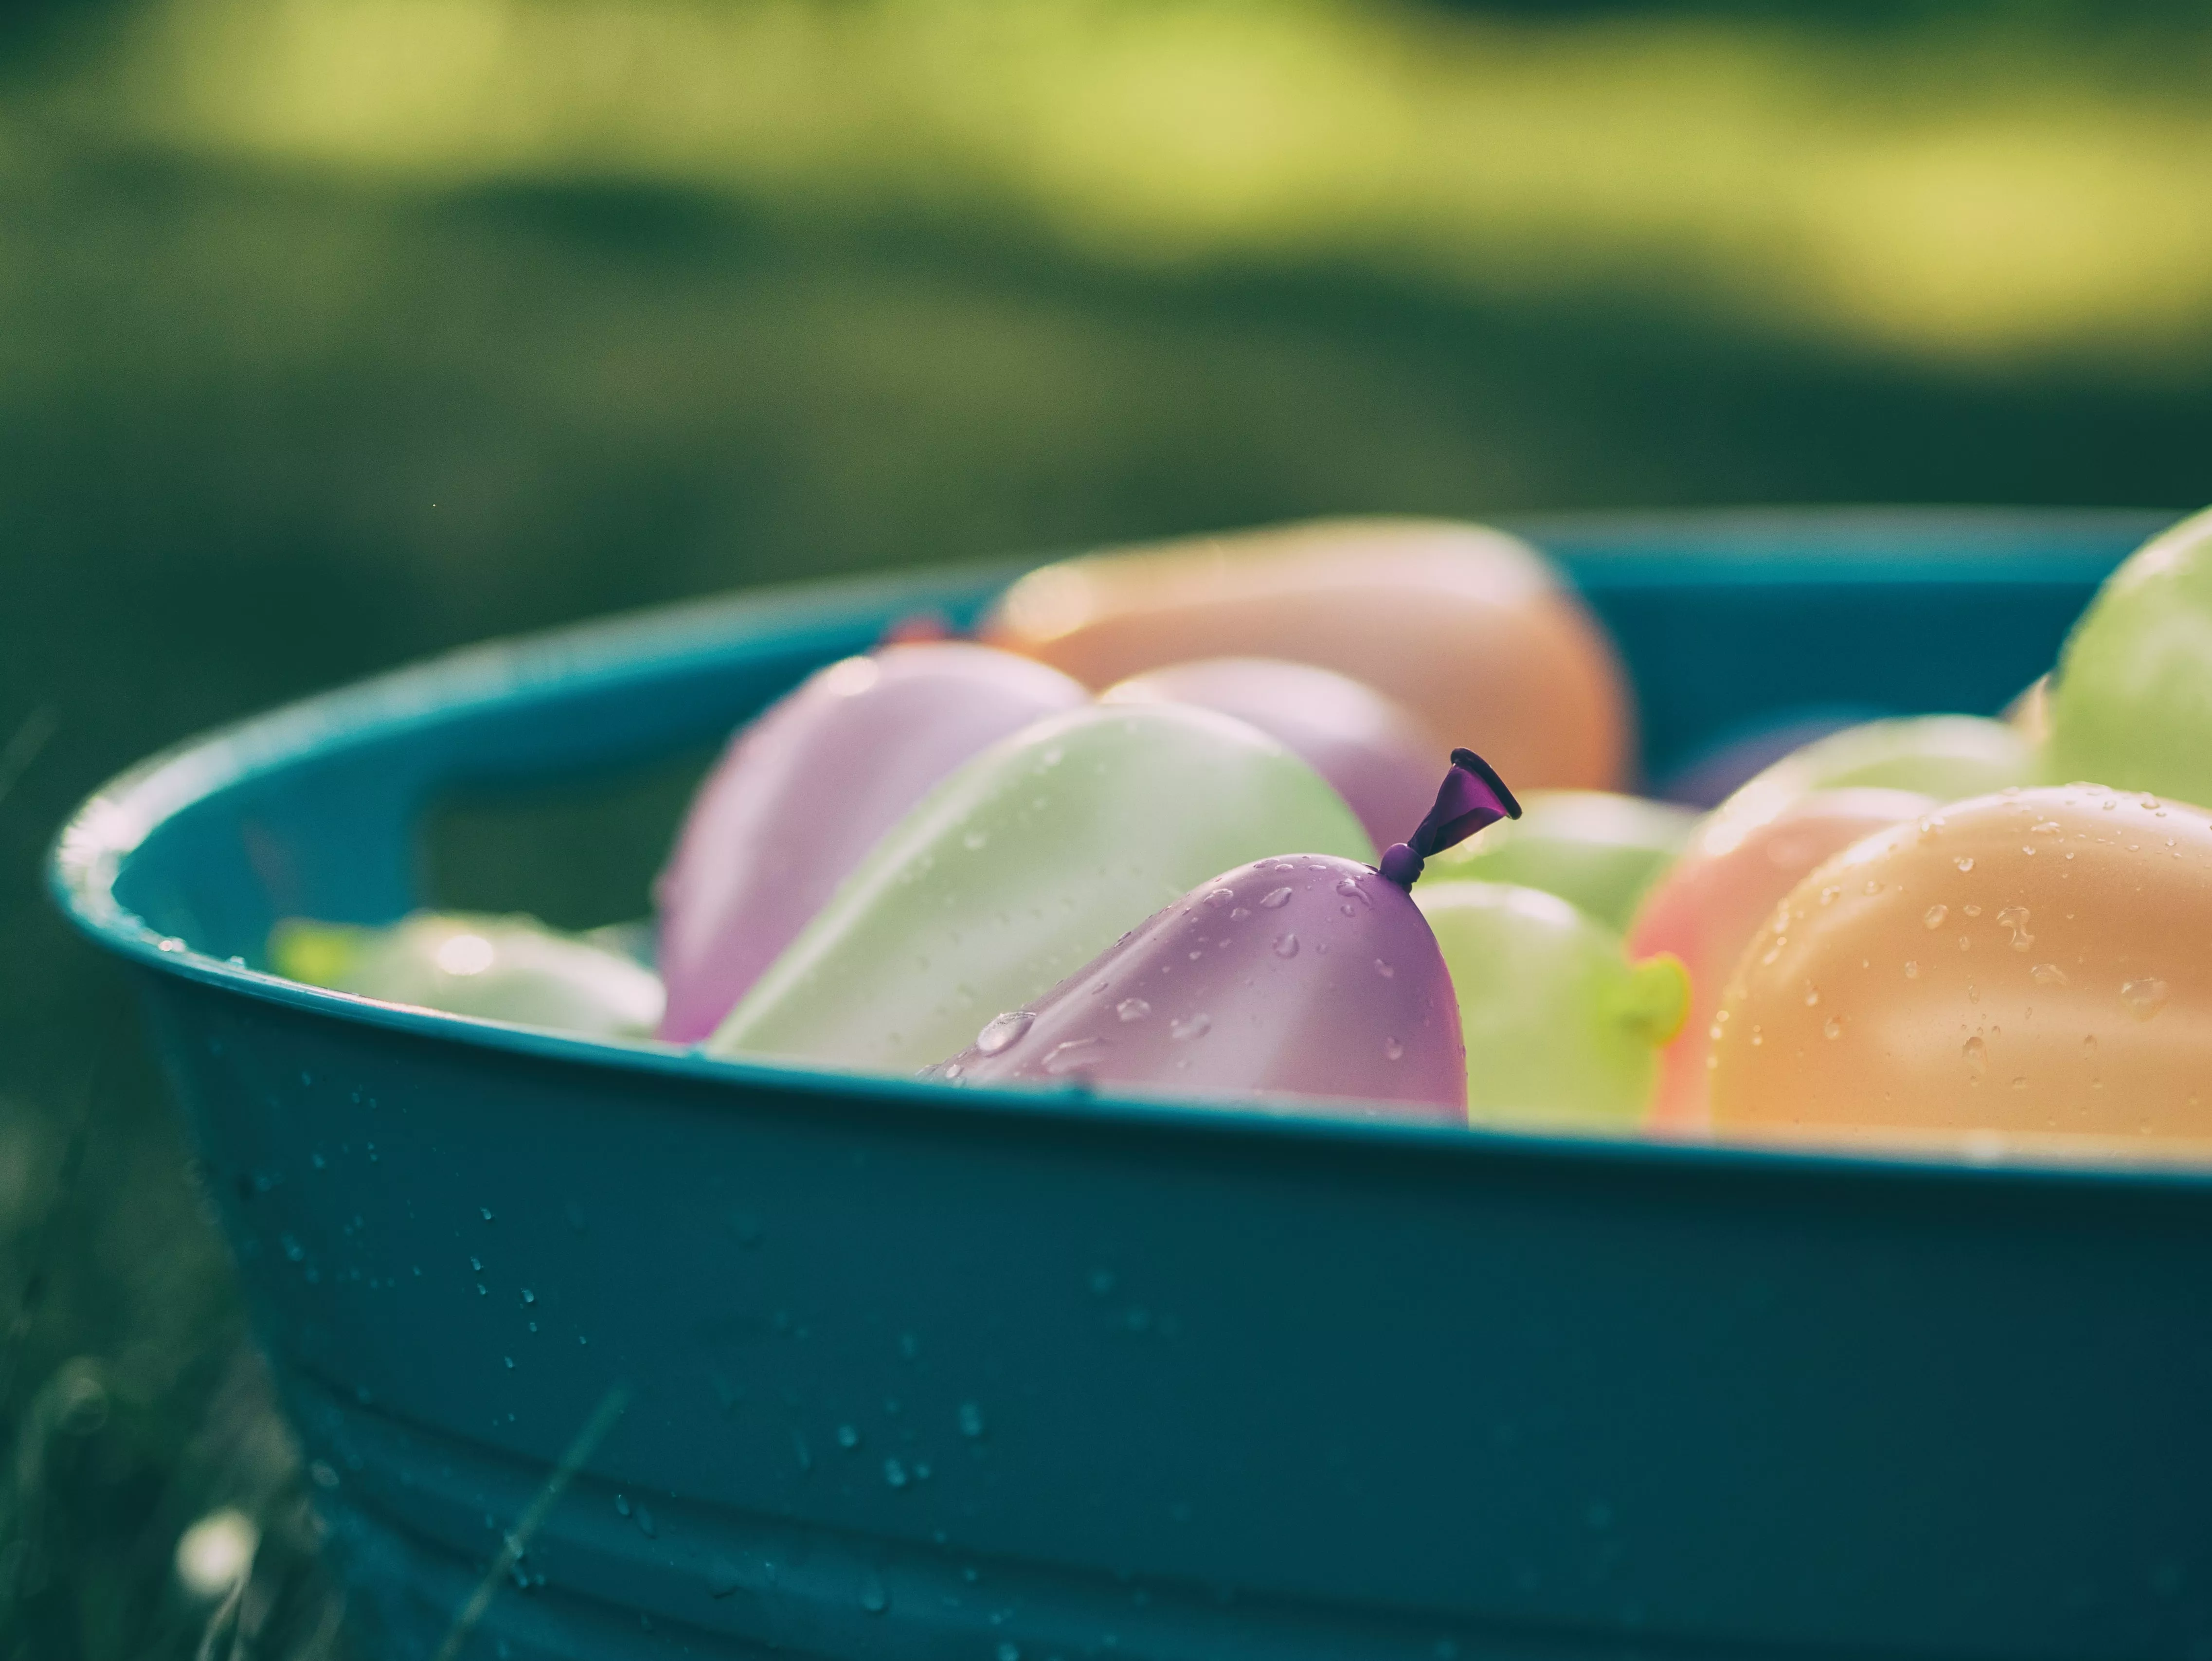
604,1351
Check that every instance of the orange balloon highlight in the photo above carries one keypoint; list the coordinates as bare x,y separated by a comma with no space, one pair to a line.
1469,627
1719,891
2032,964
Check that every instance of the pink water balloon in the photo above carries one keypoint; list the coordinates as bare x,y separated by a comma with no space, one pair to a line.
1378,754
1714,899
806,789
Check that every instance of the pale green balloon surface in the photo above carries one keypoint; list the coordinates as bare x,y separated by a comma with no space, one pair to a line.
2132,704
1949,758
497,968
1561,1030
1022,867
1597,850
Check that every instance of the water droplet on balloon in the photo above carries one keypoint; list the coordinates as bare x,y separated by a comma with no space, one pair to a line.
1965,862
1275,900
2047,974
975,841
1286,946
1004,1030
1933,918
1393,1050
2014,917
1912,969
1196,1027
2144,998
1350,886
1385,970
952,1070
874,1598
1976,1055
971,1421
1217,897
2090,1043
894,1473
1075,1054
1132,1009
1812,996
1834,1028
847,1438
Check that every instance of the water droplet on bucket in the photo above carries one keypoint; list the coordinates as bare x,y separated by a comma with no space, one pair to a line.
1004,1030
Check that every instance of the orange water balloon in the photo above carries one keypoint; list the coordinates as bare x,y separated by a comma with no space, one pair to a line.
2023,965
1723,885
1469,627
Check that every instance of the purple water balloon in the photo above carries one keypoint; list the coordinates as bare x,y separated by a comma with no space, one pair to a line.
1304,977
1376,752
806,790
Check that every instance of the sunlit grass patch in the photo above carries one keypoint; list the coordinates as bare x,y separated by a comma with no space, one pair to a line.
1944,194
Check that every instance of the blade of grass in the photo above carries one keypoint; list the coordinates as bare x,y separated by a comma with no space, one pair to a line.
22,749
518,1540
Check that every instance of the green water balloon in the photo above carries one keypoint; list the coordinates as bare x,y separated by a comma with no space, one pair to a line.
1595,848
497,968
1949,758
2132,704
1562,1031
1024,865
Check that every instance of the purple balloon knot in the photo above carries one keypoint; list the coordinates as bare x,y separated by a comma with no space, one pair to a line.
1471,797
1401,865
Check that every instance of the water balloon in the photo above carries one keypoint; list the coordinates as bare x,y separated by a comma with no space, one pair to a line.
803,792
1592,848
2028,963
1562,1031
1297,978
1021,866
1468,627
1726,884
497,968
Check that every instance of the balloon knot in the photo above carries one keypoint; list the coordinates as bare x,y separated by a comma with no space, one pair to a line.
1401,865
1471,797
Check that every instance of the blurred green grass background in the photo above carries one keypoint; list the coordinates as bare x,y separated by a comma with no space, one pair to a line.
337,331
